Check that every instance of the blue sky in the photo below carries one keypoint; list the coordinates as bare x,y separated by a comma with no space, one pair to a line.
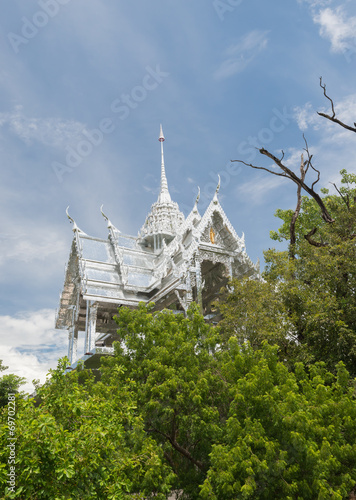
222,76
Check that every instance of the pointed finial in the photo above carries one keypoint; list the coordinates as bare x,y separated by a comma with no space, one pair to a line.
215,199
164,196
75,227
161,136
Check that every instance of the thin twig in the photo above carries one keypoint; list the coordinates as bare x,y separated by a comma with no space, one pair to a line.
346,200
333,117
260,168
325,94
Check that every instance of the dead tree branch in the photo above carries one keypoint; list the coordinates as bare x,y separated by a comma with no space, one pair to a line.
260,168
333,116
289,174
308,163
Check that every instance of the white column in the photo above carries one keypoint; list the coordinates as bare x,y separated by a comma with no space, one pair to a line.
189,295
93,310
86,341
199,284
70,344
75,345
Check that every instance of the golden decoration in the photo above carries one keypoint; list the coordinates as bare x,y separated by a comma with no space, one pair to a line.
212,236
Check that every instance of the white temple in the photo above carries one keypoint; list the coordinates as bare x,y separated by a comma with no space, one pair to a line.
172,262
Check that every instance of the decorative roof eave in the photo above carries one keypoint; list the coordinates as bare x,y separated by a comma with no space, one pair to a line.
72,278
76,240
214,206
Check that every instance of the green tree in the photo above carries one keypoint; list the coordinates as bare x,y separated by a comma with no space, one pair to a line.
233,421
83,440
318,286
253,311
307,301
181,395
180,407
288,435
9,383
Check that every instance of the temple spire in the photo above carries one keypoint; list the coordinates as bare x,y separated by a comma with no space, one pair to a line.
164,196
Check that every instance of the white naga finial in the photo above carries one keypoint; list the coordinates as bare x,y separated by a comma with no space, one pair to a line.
164,196
105,216
110,224
215,199
75,227
195,208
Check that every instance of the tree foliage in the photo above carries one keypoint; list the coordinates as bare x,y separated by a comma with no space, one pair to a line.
84,440
288,435
181,395
9,384
318,288
305,304
180,407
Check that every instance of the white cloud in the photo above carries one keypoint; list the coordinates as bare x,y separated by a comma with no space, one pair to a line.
258,189
25,246
30,251
241,54
338,27
49,131
306,116
30,345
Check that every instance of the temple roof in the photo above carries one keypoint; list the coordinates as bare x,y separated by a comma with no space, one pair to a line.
125,270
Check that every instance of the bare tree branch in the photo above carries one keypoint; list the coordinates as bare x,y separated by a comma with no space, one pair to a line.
333,117
325,94
260,168
289,173
297,210
293,177
308,163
